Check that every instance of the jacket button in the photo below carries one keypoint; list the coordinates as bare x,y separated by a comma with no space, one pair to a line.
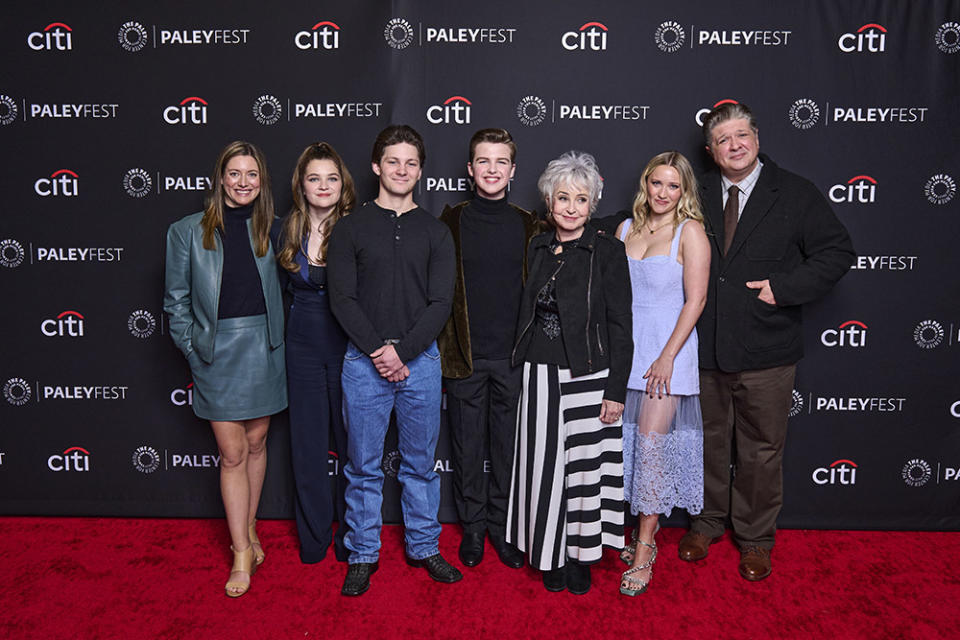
721,279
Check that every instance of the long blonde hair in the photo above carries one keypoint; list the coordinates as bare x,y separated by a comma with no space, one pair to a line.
296,225
688,208
262,217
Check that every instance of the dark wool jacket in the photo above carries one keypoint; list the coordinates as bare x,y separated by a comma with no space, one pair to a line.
595,301
456,357
788,234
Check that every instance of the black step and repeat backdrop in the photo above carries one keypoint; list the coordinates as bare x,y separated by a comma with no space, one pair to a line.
111,118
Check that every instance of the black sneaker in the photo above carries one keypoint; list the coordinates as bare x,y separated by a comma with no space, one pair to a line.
358,578
438,568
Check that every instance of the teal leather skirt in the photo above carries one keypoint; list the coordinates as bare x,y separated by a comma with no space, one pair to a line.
247,379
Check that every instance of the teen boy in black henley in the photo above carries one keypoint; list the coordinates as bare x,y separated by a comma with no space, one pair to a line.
391,267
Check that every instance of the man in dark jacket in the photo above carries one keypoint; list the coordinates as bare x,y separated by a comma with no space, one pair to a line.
776,245
491,237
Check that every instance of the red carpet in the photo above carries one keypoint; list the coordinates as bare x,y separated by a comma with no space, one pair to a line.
125,578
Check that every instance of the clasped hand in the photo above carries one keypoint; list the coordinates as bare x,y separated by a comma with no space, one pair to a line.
388,364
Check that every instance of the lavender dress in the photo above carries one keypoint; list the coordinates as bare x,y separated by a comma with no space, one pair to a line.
662,438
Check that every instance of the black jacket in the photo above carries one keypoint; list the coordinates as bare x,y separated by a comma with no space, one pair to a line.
456,356
595,305
787,234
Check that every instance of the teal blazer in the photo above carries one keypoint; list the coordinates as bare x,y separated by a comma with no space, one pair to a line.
192,292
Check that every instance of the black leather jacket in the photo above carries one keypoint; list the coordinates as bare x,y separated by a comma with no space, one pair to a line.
594,299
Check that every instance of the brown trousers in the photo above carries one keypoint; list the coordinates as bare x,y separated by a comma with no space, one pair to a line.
748,409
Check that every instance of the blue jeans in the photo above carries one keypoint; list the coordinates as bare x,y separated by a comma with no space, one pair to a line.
367,402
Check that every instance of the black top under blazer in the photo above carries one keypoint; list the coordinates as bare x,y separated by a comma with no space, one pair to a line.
595,300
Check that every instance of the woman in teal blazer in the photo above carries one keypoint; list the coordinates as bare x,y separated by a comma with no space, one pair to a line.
226,315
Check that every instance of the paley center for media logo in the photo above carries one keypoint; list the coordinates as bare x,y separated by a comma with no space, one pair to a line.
11,253
56,110
141,324
269,109
147,459
56,36
670,37
940,189
929,334
17,391
840,472
399,33
805,113
947,37
917,472
134,36
532,111
138,182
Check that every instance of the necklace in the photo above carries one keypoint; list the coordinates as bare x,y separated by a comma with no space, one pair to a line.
653,231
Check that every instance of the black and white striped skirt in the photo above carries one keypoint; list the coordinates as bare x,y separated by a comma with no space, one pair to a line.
566,494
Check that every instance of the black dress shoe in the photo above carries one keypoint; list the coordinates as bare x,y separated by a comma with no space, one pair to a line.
471,549
508,554
555,579
358,578
438,568
578,578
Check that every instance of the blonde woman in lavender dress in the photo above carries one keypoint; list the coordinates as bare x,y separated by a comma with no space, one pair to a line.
669,258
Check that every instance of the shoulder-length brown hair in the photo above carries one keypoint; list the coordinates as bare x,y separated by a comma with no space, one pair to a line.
296,225
262,216
688,208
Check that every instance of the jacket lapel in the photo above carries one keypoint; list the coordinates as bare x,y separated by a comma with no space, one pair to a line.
713,209
761,200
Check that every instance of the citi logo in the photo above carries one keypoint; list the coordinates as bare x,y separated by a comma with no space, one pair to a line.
862,189
843,472
323,35
60,183
56,36
592,36
192,110
955,409
454,110
703,112
182,397
333,464
870,38
68,324
851,333
72,459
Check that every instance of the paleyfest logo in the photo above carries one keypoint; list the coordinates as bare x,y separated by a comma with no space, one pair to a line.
398,33
531,111
940,189
267,109
669,36
804,113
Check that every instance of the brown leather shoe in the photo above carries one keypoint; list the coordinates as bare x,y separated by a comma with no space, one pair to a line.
694,546
754,563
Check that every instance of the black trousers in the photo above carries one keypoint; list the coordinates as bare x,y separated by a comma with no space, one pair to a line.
482,411
316,423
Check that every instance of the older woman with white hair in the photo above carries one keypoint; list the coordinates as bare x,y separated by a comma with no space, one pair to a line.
574,339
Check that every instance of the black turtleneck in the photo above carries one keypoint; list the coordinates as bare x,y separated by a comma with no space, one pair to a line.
491,241
241,293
